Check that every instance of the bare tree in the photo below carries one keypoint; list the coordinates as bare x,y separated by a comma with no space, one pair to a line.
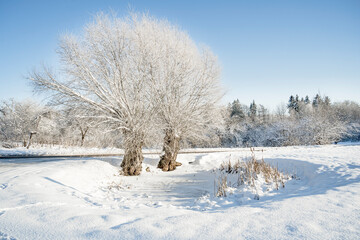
20,121
185,87
134,71
79,121
103,71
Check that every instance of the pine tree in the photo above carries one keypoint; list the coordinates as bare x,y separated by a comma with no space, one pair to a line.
236,110
292,104
327,101
317,101
296,103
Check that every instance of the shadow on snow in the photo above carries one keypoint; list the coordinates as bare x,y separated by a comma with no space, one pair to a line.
312,179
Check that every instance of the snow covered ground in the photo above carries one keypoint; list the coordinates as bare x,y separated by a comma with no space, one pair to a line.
85,198
56,150
80,151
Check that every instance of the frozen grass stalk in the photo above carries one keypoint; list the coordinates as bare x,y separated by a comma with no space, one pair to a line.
248,173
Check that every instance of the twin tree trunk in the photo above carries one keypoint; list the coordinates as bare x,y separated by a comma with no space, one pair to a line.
133,158
171,149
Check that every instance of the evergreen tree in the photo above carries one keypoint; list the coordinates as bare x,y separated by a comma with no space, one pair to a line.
317,101
296,104
327,101
291,103
236,110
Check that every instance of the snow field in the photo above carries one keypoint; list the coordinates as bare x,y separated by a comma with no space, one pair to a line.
87,199
56,151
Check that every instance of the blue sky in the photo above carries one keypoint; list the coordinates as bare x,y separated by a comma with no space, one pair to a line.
268,49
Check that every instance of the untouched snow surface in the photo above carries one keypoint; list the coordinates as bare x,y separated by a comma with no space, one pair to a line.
82,151
85,198
56,151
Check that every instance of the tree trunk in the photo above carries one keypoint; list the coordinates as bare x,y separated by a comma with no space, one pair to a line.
83,134
171,149
30,137
133,158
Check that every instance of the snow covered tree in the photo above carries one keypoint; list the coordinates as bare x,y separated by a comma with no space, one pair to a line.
136,72
20,121
307,100
253,111
237,110
280,111
349,113
325,126
263,114
185,87
317,101
291,103
104,71
79,122
327,102
294,105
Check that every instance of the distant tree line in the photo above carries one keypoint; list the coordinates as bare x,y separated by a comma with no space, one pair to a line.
301,122
26,122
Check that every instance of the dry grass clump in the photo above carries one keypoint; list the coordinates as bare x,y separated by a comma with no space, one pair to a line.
248,172
221,186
